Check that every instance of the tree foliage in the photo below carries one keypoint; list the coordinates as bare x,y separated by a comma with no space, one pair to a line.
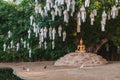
16,18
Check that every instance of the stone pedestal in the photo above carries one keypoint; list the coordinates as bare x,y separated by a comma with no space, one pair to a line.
79,59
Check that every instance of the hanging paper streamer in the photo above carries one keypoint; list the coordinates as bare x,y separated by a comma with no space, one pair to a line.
68,5
92,18
34,27
66,16
11,44
36,9
21,40
4,47
41,35
78,22
31,20
104,17
24,44
30,53
48,4
45,32
53,44
102,26
83,13
29,32
40,8
9,34
45,45
53,34
60,30
40,44
64,36
73,5
53,15
36,31
116,2
50,32
59,12
36,1
87,3
78,28
8,47
114,12
95,12
17,46
28,46
45,11
56,10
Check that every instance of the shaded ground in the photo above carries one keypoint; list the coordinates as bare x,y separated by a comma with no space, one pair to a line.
36,71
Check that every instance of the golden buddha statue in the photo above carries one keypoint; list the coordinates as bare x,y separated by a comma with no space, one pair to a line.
81,47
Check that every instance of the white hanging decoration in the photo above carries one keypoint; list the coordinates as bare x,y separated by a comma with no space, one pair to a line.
116,2
36,9
64,36
36,31
83,13
50,32
45,32
53,14
40,8
60,30
104,17
68,4
66,16
8,47
48,4
53,44
56,9
36,1
59,2
24,44
71,14
31,19
34,27
73,6
11,44
95,12
28,46
62,2
9,34
4,47
30,53
29,32
42,13
53,34
17,46
87,3
78,22
59,12
45,11
40,44
102,26
45,45
21,40
92,18
51,4
113,12
42,35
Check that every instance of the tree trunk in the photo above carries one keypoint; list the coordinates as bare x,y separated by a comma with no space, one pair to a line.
98,46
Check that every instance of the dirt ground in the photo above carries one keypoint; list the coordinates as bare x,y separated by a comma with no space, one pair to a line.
46,70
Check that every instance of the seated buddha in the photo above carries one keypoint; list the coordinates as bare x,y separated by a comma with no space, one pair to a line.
81,47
